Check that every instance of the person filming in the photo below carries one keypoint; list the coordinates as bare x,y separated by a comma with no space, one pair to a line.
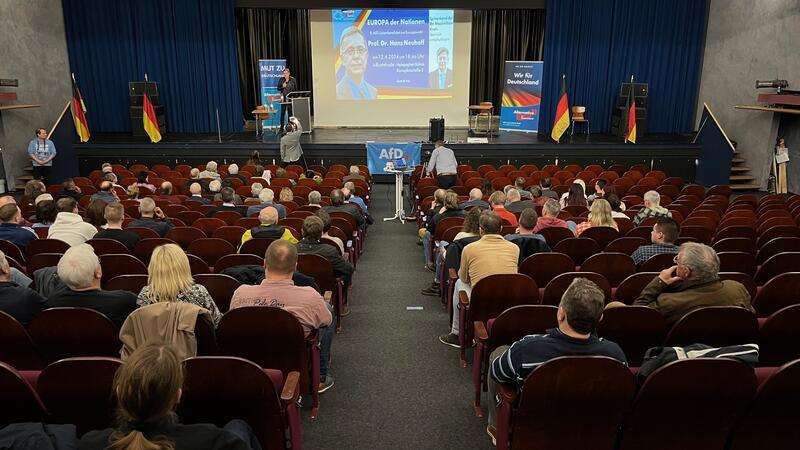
286,85
291,151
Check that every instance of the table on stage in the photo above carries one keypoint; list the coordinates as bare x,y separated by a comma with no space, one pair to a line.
399,209
482,109
262,114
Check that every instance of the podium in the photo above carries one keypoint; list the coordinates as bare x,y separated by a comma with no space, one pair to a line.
301,109
399,209
136,91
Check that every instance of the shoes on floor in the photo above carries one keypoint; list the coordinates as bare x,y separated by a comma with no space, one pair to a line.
492,432
419,243
430,266
326,384
450,339
432,290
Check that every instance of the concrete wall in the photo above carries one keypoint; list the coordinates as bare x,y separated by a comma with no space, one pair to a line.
33,49
749,40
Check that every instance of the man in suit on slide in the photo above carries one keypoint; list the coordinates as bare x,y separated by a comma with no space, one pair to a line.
442,77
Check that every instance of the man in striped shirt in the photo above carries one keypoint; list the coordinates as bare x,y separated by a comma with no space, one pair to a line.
578,314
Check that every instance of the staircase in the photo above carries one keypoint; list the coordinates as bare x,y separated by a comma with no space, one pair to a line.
21,180
740,179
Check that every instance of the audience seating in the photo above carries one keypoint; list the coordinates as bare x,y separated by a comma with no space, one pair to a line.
60,333
577,248
107,246
211,250
220,286
120,264
635,329
131,283
321,270
21,402
79,391
16,347
144,248
556,287
38,246
543,267
615,267
717,326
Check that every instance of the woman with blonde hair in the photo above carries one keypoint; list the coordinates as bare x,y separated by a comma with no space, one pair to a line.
286,195
170,280
132,191
148,388
599,216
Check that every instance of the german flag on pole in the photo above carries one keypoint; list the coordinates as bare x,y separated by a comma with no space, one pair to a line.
630,136
79,113
562,113
150,122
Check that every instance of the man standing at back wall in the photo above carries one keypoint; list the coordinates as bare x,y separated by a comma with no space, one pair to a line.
443,160
41,151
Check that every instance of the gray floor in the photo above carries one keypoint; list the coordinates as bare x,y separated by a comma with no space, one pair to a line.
396,386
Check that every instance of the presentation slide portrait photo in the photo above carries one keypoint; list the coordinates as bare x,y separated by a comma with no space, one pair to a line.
393,54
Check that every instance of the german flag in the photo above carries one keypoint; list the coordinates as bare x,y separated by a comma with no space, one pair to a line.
630,136
149,119
562,113
79,113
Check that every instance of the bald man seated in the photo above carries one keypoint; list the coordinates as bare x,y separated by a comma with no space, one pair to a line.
475,199
269,228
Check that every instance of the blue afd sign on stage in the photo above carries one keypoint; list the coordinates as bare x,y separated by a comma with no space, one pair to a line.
269,70
379,153
522,95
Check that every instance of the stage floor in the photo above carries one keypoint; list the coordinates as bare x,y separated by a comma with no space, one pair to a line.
351,136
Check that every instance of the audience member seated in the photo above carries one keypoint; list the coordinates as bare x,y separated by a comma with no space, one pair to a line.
45,212
33,189
69,225
305,303
210,172
527,222
286,195
237,200
498,200
315,199
132,192
449,209
147,389
10,230
437,206
575,196
338,204
267,198
170,280
151,216
112,178
80,271
599,190
579,312
19,302
255,189
165,194
355,174
194,177
106,168
536,196
652,208
227,197
475,199
550,218
196,191
519,184
452,251
326,226
269,228
233,172
95,212
5,200
143,180
214,187
616,206
692,283
311,245
69,189
488,256
514,202
663,237
546,184
106,193
350,190
114,214
254,160
599,216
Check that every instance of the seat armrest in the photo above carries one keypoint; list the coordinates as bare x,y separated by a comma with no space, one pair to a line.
508,393
452,274
290,387
463,299
480,331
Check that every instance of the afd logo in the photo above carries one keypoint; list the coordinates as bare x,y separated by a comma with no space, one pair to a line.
391,153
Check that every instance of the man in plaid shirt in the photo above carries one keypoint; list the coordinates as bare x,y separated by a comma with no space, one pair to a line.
652,208
663,237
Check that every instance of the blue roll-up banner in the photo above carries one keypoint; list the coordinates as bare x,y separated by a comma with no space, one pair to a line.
269,70
522,95
379,153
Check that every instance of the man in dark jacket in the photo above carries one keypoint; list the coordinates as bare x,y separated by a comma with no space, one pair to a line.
338,204
227,195
151,217
19,302
310,244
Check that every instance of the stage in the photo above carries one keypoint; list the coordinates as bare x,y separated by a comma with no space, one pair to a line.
675,154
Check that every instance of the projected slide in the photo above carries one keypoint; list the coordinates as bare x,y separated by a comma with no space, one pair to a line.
393,54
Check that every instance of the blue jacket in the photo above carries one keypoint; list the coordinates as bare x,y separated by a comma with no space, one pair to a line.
20,236
41,151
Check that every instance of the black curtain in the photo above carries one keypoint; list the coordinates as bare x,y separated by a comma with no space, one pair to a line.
271,34
499,36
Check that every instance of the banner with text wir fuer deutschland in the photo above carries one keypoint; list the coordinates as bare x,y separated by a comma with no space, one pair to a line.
522,95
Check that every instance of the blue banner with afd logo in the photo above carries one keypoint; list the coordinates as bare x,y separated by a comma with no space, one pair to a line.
522,96
379,153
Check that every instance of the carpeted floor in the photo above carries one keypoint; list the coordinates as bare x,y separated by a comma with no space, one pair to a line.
396,386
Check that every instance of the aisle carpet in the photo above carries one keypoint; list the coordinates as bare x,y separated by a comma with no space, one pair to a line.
396,386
